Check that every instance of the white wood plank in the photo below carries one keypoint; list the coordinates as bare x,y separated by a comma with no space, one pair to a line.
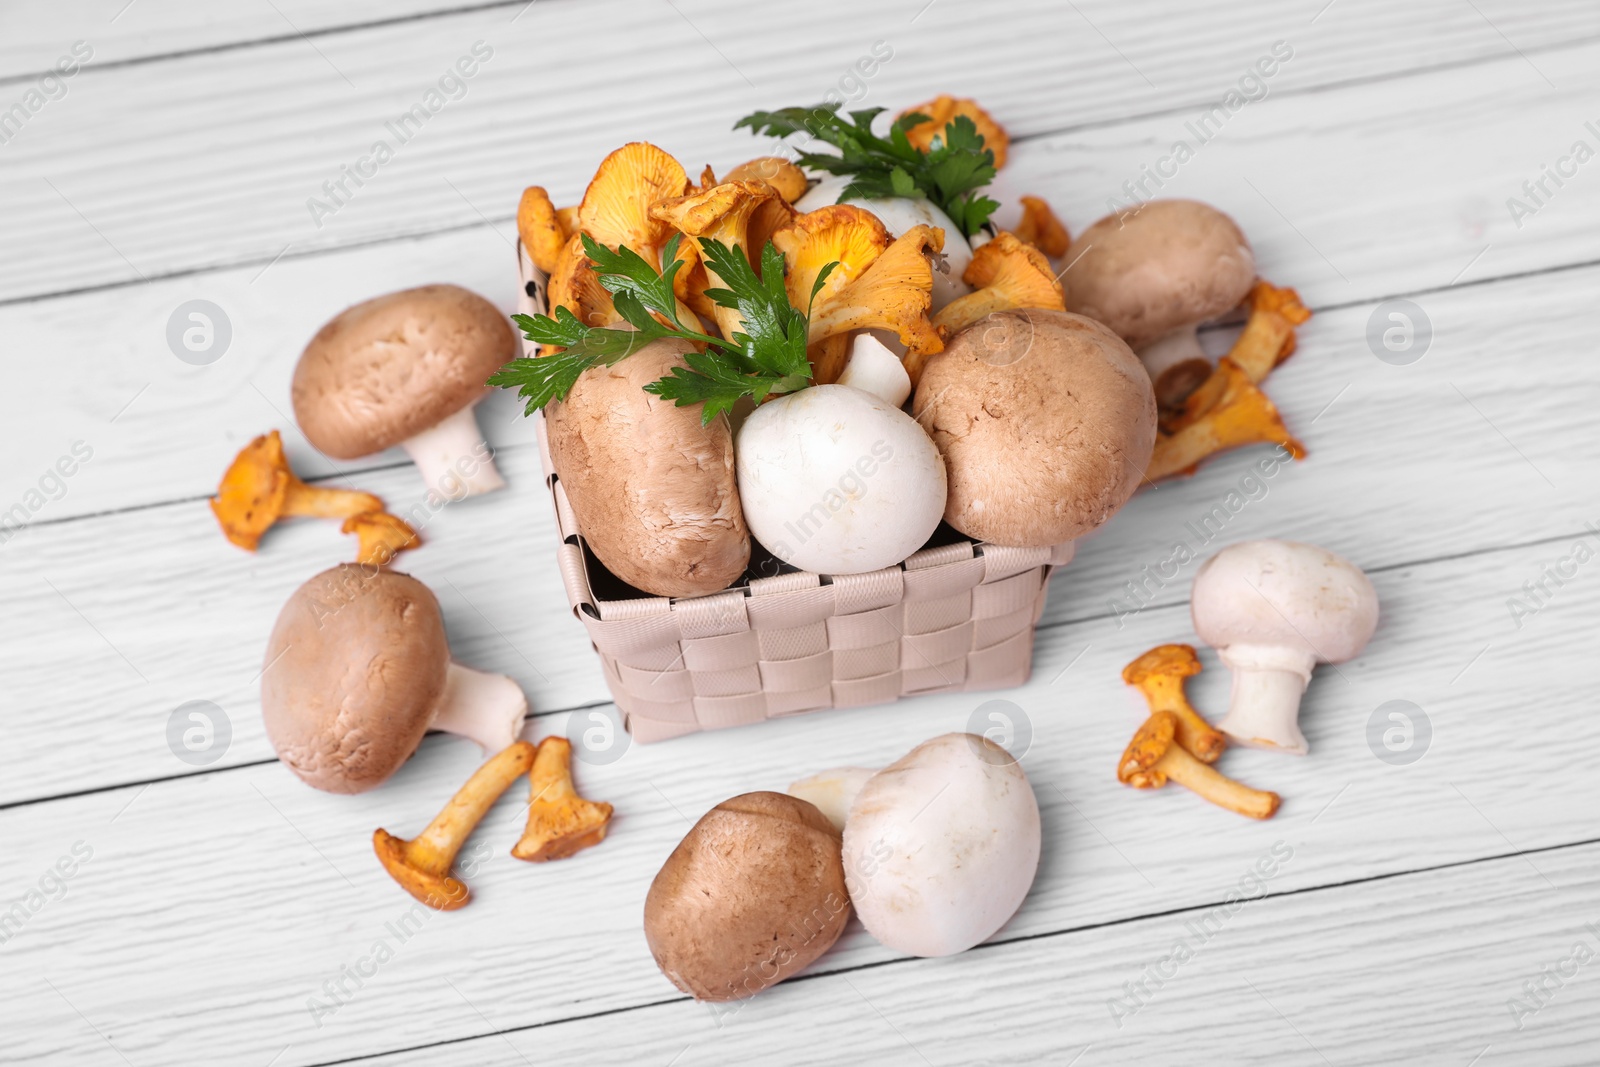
218,154
252,910
122,32
1403,468
1375,973
161,428
38,33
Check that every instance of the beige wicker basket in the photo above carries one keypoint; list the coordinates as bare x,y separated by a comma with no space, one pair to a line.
958,616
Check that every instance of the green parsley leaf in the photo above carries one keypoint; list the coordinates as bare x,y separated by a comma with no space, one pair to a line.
766,357
626,271
950,173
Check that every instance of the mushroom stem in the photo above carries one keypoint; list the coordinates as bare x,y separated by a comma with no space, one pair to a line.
318,503
1206,781
874,368
560,822
422,864
1177,365
453,452
1159,675
1264,709
488,708
833,792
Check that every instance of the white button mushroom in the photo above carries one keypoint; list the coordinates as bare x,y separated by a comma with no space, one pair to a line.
835,480
899,214
941,846
1273,610
874,368
833,792
406,369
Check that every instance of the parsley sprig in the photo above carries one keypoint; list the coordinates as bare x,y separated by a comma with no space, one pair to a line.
950,173
767,357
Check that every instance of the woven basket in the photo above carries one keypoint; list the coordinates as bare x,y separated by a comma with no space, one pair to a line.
958,616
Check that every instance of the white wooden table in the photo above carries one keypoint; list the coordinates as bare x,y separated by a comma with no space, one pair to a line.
1431,911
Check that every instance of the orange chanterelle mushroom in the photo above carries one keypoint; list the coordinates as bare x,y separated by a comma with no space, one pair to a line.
1154,756
259,488
1159,675
422,865
560,822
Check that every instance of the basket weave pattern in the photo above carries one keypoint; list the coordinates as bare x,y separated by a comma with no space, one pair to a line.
955,617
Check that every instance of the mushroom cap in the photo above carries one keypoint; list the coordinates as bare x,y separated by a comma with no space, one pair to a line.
389,368
355,670
1175,659
751,895
653,489
1046,421
899,215
833,479
439,891
1284,595
942,845
1164,265
1138,764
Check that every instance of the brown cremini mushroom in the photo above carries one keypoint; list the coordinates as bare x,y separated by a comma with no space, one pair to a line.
1153,757
381,537
406,369
358,668
560,822
1153,274
1045,420
259,488
653,489
1159,675
422,865
1243,415
752,895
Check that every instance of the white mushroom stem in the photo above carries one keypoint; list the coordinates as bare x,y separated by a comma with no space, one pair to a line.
1180,346
874,369
1264,709
488,708
453,459
833,792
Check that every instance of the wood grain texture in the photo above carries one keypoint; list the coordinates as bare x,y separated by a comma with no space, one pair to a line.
219,153
122,32
269,887
162,428
215,901
1373,489
1376,973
